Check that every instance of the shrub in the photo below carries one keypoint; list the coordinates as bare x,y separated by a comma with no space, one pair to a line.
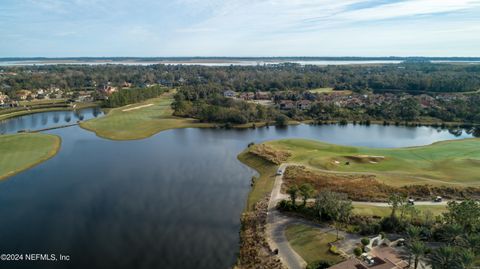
319,265
334,250
365,241
357,251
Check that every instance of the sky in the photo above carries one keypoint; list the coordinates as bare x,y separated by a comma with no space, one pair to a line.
156,28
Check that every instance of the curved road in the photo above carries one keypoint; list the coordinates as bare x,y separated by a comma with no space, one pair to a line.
277,223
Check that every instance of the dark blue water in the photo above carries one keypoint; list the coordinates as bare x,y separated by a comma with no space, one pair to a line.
47,120
170,201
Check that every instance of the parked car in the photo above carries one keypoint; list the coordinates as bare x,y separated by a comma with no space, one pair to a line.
411,201
438,199
279,172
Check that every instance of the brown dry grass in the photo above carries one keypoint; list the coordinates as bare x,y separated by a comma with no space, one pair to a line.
368,188
269,153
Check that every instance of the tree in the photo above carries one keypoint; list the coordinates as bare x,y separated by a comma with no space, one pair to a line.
292,191
443,258
466,214
365,241
306,190
417,249
395,200
281,120
465,259
334,206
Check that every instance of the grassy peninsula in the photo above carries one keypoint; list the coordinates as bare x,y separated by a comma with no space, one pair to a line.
140,120
20,152
444,163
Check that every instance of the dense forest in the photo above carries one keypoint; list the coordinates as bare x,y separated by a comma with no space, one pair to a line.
406,77
201,88
130,96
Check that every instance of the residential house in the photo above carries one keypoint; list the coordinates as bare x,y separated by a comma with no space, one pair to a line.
304,104
23,94
3,98
286,104
229,94
263,95
381,257
247,95
107,90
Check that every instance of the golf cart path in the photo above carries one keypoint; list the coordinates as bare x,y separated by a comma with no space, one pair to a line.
278,222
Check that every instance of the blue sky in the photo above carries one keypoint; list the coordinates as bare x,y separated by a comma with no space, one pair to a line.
61,28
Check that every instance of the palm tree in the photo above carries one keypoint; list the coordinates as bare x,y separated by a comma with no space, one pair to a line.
453,234
413,233
417,249
306,190
443,258
465,259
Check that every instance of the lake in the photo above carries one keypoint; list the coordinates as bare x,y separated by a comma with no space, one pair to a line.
170,201
46,120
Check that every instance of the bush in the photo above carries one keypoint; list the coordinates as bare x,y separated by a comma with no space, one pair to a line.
334,250
365,241
357,251
392,224
281,120
319,265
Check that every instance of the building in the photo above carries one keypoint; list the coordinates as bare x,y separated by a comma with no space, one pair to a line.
23,94
107,90
247,95
263,95
381,257
3,98
286,104
229,94
304,104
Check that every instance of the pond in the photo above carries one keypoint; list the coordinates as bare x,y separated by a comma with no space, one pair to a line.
46,120
170,201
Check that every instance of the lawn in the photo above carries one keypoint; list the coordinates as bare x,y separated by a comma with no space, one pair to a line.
311,243
329,90
22,151
264,183
151,117
444,163
382,211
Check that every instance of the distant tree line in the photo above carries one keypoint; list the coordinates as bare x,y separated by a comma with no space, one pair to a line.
405,77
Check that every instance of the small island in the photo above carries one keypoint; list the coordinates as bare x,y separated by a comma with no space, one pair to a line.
20,152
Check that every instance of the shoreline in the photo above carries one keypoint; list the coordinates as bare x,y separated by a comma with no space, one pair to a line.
50,154
41,110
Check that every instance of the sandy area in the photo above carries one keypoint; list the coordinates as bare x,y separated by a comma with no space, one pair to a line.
137,107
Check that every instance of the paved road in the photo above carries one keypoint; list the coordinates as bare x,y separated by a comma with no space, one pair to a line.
277,223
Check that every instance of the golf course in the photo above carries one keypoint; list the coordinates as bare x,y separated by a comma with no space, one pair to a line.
140,120
455,163
22,151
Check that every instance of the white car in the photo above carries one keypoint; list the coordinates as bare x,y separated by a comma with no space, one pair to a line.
279,172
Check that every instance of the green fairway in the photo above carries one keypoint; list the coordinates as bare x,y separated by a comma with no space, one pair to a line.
311,243
22,151
140,120
444,163
383,211
264,183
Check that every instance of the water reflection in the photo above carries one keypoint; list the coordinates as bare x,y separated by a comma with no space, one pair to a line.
170,201
46,120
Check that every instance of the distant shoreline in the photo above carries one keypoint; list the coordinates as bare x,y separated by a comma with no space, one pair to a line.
225,61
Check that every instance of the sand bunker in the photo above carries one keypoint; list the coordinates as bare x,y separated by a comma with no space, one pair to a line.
137,107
